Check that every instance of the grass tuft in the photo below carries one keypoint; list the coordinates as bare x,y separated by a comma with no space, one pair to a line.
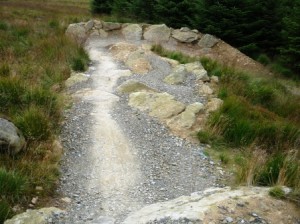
277,192
34,124
5,210
80,62
12,184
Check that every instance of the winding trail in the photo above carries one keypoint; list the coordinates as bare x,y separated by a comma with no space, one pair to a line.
115,165
118,160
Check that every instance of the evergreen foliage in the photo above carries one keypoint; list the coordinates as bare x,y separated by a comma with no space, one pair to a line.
255,27
101,6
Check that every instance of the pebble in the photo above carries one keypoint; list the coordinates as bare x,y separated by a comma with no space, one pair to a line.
228,219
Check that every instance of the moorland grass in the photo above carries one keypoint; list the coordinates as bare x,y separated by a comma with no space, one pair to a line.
259,119
35,59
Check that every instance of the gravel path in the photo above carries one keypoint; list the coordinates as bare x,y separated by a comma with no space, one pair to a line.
118,159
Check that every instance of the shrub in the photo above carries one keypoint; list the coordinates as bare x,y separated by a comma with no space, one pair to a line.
34,124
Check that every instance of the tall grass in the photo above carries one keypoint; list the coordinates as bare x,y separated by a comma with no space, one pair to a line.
35,59
12,184
261,118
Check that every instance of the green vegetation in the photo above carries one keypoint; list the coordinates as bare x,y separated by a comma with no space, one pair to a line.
276,192
175,55
35,58
257,129
267,31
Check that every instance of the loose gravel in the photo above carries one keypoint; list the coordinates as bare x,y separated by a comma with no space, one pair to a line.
169,166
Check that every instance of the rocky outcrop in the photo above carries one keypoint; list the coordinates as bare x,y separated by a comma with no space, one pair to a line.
157,33
208,41
11,138
41,216
185,35
218,205
133,32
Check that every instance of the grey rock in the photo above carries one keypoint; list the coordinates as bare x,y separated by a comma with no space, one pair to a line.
184,35
41,216
133,32
131,86
89,25
98,24
77,32
157,33
109,26
177,76
208,41
11,138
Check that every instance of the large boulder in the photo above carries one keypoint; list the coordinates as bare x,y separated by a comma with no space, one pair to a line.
77,32
160,105
208,41
219,205
157,33
133,32
11,138
185,35
41,216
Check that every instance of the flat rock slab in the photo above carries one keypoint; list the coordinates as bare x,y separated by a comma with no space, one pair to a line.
41,216
214,205
160,105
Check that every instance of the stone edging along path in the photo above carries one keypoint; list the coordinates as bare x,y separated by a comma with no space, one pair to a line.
128,156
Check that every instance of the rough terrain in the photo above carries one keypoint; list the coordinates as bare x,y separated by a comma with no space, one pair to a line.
128,137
